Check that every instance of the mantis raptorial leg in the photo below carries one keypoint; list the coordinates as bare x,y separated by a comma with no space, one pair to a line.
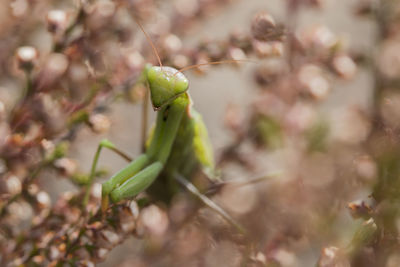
128,170
146,176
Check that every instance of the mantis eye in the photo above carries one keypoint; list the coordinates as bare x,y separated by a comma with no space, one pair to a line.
166,83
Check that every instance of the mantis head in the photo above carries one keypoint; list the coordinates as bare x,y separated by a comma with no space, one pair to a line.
166,83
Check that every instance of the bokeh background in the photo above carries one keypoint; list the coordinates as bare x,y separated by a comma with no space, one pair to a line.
317,106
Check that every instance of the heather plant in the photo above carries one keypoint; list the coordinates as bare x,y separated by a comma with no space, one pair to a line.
319,185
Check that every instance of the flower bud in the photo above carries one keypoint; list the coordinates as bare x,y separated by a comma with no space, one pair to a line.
311,78
332,257
360,209
56,21
99,123
172,44
263,26
67,166
26,57
344,66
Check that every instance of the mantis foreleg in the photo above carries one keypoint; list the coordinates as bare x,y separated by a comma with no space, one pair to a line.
117,179
103,144
142,172
137,183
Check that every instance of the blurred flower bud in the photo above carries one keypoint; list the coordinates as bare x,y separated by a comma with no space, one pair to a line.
260,258
111,237
263,27
268,49
366,167
349,126
78,72
102,253
238,199
137,92
233,118
99,123
13,185
57,21
187,8
332,257
154,220
311,78
43,199
389,59
320,38
33,189
66,165
49,112
267,74
96,190
134,209
19,7
38,260
300,117
26,57
270,105
172,44
100,13
134,60
390,108
20,211
240,38
2,110
180,61
360,209
127,220
315,3
344,66
364,8
236,54
284,258
214,51
202,58
54,67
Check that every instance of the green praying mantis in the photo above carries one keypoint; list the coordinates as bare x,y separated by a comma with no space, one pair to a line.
177,146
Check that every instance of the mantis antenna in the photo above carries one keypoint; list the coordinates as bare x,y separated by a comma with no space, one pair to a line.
215,63
150,41
146,97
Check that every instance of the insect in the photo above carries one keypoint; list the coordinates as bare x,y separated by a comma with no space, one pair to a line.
177,146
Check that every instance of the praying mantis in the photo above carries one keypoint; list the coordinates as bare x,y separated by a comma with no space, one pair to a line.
177,146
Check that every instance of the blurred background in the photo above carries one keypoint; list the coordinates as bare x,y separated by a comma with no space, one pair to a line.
313,119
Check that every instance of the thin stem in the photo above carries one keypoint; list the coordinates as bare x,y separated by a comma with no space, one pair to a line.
145,109
91,176
208,202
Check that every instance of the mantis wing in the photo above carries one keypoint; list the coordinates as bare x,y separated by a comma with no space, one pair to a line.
202,146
